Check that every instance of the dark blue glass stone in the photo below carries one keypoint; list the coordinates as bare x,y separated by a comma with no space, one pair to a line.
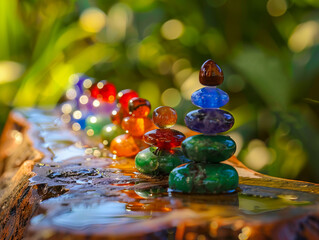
209,121
210,97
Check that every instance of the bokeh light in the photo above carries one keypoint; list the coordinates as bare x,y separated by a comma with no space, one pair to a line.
66,108
10,71
190,85
172,29
276,8
258,155
304,35
77,114
171,97
93,20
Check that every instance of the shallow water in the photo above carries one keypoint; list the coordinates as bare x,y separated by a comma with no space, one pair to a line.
102,191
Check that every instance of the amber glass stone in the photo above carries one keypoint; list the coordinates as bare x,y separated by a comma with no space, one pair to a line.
124,146
137,126
211,74
117,116
164,117
139,107
124,96
164,138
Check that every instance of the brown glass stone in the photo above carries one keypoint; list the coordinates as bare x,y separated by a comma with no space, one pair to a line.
139,107
211,74
117,116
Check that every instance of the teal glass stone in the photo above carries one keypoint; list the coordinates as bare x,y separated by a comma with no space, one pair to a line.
154,162
96,123
200,178
209,97
109,132
208,148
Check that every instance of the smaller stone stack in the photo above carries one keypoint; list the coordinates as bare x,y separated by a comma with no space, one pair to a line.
135,125
114,129
206,175
163,155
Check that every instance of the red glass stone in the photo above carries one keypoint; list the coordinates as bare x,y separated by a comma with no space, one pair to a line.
164,138
164,117
211,74
139,107
137,126
104,91
124,96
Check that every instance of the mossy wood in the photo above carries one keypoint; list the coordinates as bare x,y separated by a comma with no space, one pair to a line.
56,185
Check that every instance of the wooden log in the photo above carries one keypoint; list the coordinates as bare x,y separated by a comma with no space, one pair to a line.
58,184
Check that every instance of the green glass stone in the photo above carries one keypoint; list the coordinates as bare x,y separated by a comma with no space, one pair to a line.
109,132
96,124
203,178
153,162
208,149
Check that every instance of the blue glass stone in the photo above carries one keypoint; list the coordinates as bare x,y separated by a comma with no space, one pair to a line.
81,121
210,97
79,83
209,121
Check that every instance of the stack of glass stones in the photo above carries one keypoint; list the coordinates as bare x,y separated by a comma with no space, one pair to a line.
205,174
164,154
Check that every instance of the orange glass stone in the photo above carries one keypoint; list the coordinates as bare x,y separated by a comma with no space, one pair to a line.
139,107
137,126
164,138
164,117
211,74
124,146
124,96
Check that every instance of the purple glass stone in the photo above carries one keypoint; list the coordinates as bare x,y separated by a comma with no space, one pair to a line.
209,121
210,97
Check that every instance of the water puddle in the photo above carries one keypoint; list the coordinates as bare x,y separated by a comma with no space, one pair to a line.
68,153
84,216
128,206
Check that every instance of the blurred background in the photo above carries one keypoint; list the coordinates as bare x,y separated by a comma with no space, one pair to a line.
268,50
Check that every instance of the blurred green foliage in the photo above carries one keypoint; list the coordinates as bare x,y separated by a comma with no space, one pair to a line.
269,51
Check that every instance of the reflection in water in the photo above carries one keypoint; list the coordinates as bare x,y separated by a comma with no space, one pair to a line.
137,203
83,216
255,205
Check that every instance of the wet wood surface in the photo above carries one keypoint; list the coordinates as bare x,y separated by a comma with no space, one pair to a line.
58,184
